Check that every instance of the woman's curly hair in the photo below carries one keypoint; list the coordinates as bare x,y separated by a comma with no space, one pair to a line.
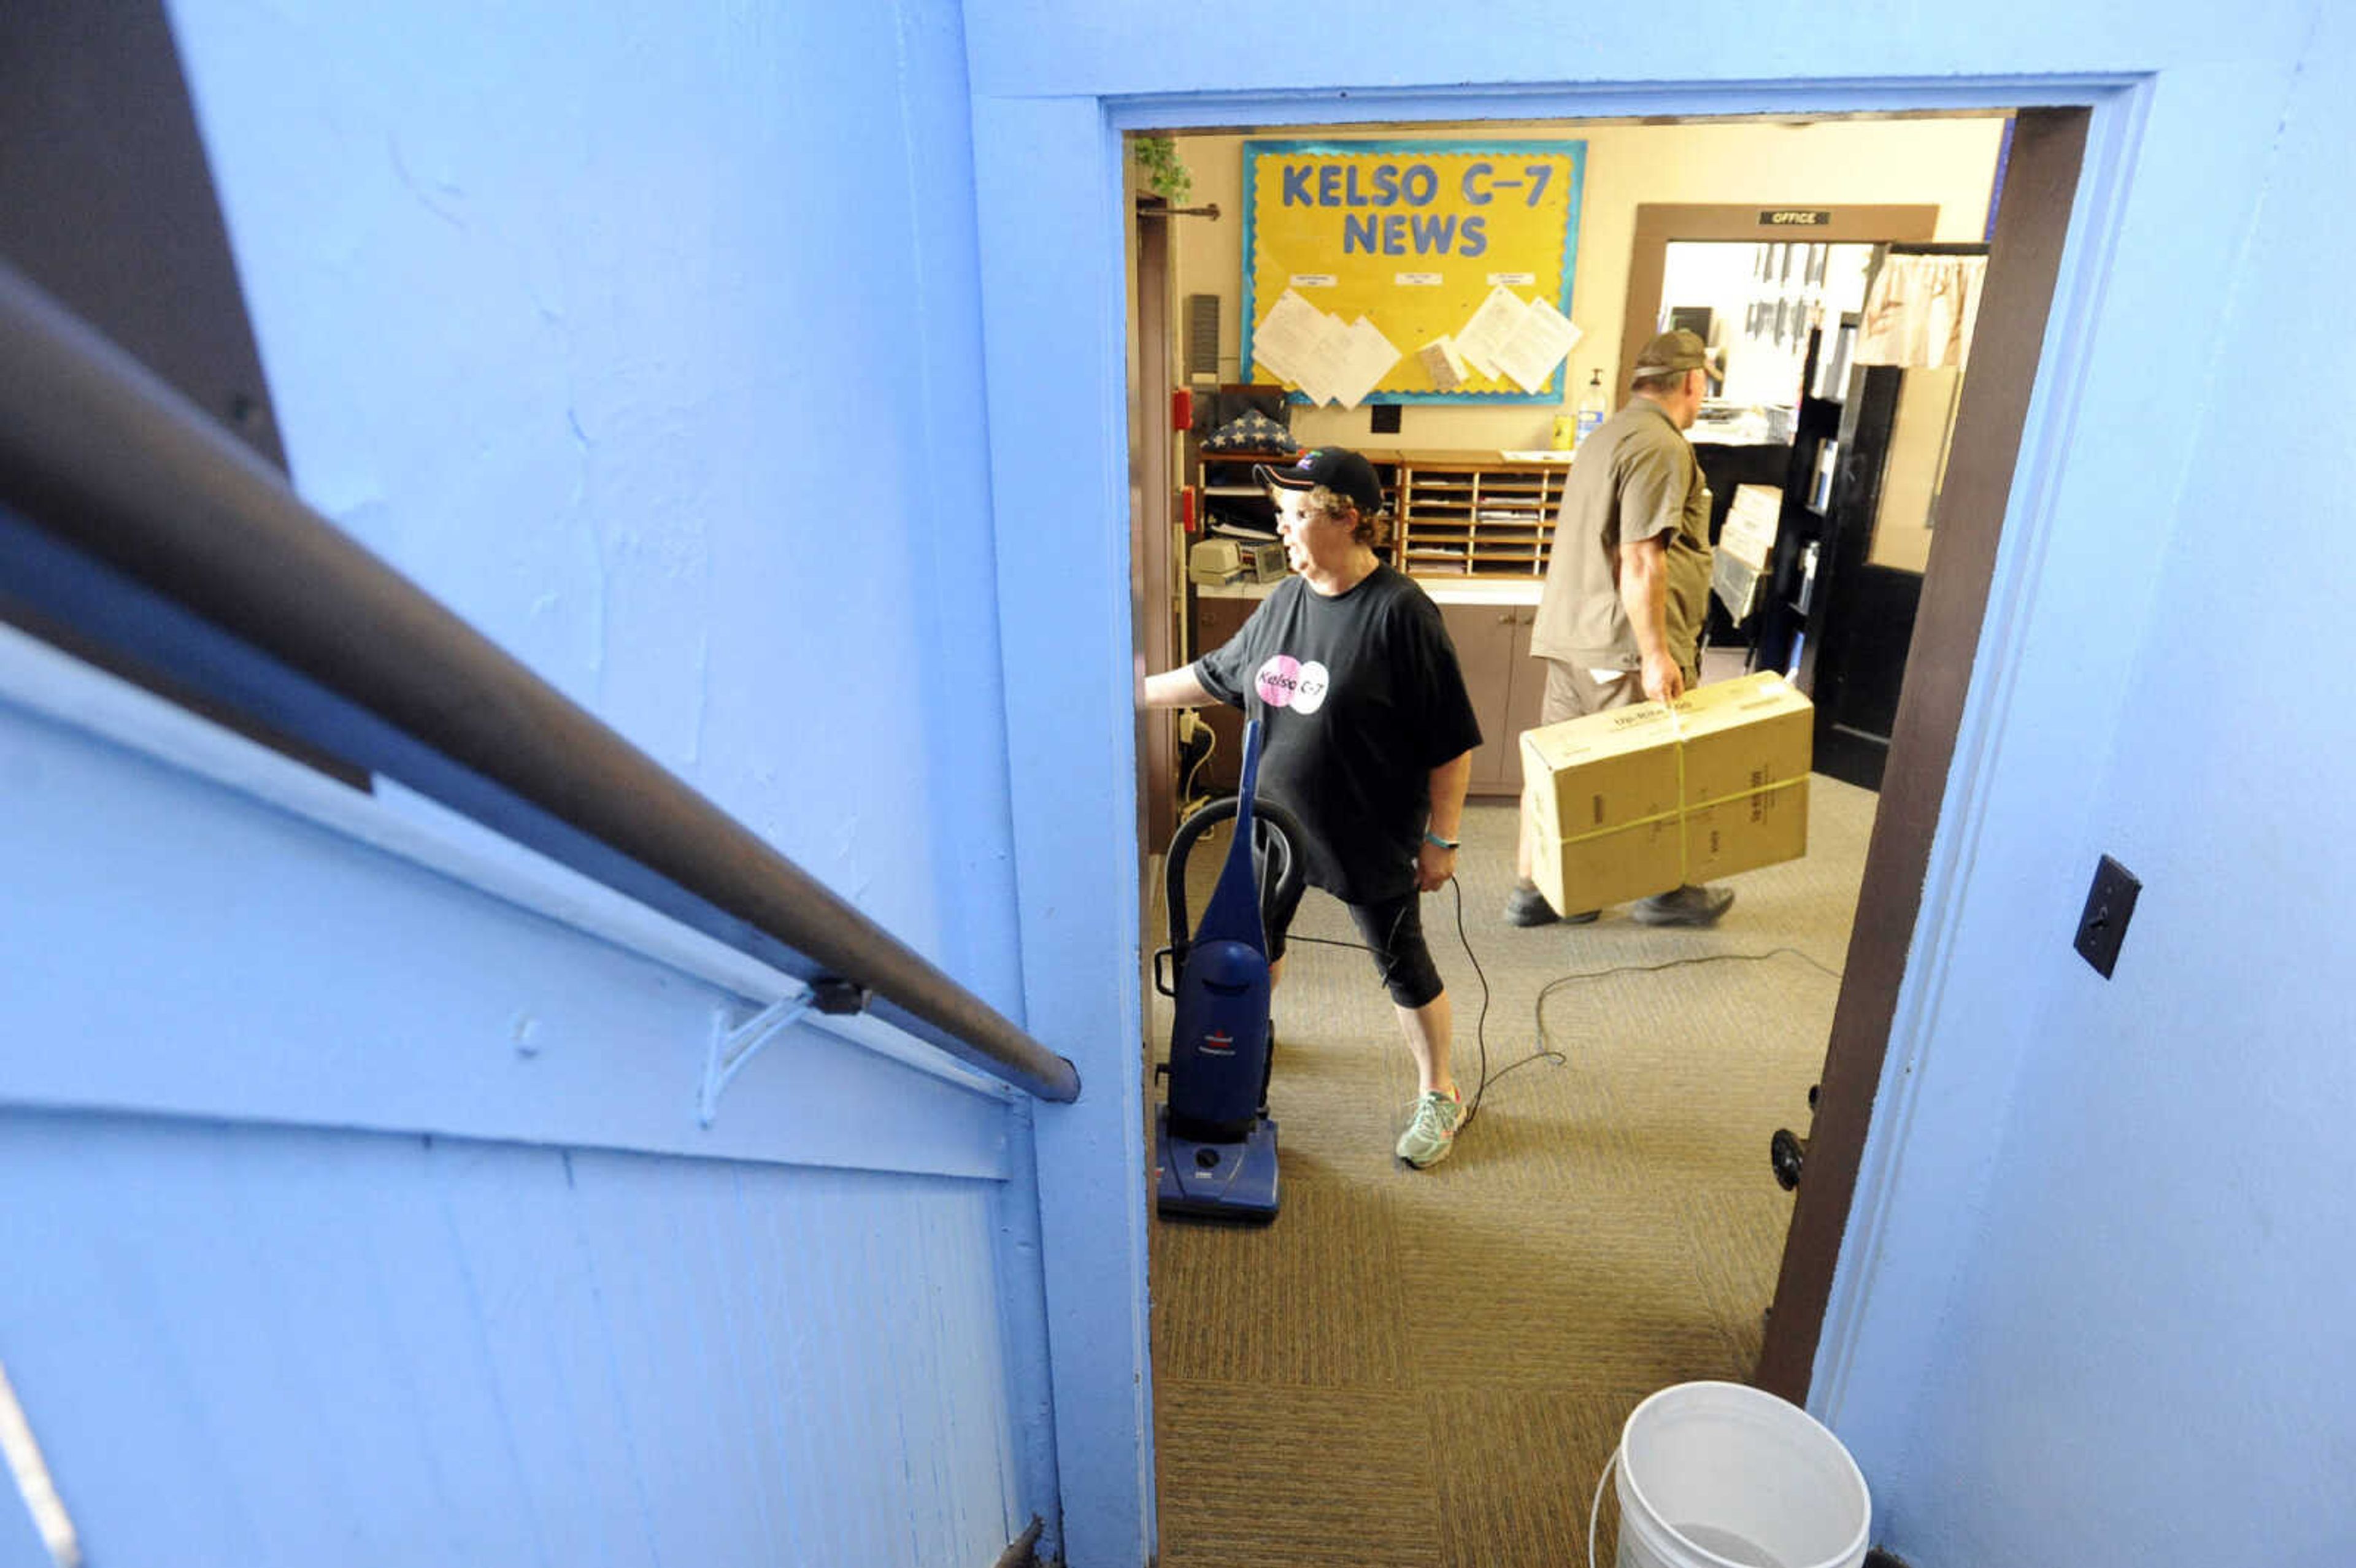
1328,504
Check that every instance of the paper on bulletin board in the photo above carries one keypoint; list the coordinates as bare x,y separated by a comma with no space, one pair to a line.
1301,343
1534,351
1368,360
1328,361
1415,237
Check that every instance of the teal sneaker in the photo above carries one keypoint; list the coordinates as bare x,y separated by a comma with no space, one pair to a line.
1431,1136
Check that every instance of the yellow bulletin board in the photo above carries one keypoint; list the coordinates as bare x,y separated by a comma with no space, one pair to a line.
1414,236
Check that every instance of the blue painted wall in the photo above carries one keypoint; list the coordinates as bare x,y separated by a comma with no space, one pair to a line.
2147,1356
356,1215
2058,1335
649,342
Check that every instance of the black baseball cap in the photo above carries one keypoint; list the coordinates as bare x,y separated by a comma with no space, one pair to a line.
1338,468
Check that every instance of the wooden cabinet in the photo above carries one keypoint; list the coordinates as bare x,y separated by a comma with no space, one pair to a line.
1229,492
1528,696
1459,513
1493,648
1484,636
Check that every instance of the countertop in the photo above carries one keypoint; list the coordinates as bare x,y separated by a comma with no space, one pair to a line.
1443,589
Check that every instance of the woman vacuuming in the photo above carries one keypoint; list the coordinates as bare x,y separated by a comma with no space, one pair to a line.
1368,737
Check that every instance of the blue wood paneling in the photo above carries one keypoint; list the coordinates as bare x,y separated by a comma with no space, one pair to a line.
283,1345
264,1307
171,944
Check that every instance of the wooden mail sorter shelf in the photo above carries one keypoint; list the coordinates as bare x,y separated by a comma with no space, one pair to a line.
1460,513
1464,515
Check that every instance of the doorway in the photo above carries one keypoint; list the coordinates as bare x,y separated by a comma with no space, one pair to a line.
1722,253
1984,437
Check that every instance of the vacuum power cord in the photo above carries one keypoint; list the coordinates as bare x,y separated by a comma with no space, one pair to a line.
1548,1050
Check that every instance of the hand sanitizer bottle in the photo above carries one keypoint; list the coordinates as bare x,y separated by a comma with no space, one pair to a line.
1590,405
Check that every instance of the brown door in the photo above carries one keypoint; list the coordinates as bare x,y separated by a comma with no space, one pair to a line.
2024,260
1217,620
1152,483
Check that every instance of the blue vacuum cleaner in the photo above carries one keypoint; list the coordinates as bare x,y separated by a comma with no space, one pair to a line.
1215,1144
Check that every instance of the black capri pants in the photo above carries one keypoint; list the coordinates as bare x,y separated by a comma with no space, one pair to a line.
1393,929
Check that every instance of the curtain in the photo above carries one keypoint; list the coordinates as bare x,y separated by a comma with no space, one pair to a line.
1921,311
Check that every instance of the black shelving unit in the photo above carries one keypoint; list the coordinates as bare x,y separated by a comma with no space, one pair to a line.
1727,469
1844,629
1861,616
1782,622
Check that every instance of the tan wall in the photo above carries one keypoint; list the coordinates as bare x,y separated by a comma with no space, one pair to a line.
1829,163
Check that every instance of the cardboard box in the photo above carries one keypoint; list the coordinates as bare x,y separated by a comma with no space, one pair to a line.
1736,582
1765,827
1751,524
1638,800
1743,735
1609,868
1603,770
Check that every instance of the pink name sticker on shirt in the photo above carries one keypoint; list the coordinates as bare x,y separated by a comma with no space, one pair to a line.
1285,682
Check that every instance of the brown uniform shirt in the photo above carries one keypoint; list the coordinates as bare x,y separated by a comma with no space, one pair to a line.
1635,477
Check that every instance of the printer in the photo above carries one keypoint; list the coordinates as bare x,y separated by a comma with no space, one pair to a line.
1216,563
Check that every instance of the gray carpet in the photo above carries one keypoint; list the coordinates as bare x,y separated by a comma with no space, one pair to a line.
1431,1368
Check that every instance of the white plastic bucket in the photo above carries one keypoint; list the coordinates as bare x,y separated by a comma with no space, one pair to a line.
1724,1476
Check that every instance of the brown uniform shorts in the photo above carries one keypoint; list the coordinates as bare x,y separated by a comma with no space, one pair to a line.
1572,693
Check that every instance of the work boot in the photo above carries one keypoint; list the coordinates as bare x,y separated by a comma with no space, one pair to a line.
1430,1137
1687,906
1528,906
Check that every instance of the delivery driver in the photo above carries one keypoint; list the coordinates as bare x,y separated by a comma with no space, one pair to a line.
1620,618
1368,739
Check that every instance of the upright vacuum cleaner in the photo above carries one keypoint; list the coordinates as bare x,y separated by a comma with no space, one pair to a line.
1214,1141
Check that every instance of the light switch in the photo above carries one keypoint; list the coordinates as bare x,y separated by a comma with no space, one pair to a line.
2103,925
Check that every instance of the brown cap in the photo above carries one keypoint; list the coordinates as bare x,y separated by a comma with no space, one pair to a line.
1672,352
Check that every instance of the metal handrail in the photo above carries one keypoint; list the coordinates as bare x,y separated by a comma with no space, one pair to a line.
132,494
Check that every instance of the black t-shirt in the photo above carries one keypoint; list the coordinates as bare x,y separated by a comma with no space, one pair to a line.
1359,698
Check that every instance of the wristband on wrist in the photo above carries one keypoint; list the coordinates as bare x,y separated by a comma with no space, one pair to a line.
1437,842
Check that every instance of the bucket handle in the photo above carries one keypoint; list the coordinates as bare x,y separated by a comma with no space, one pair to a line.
1595,1509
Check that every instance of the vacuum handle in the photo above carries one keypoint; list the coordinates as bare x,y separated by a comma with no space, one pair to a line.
1276,833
